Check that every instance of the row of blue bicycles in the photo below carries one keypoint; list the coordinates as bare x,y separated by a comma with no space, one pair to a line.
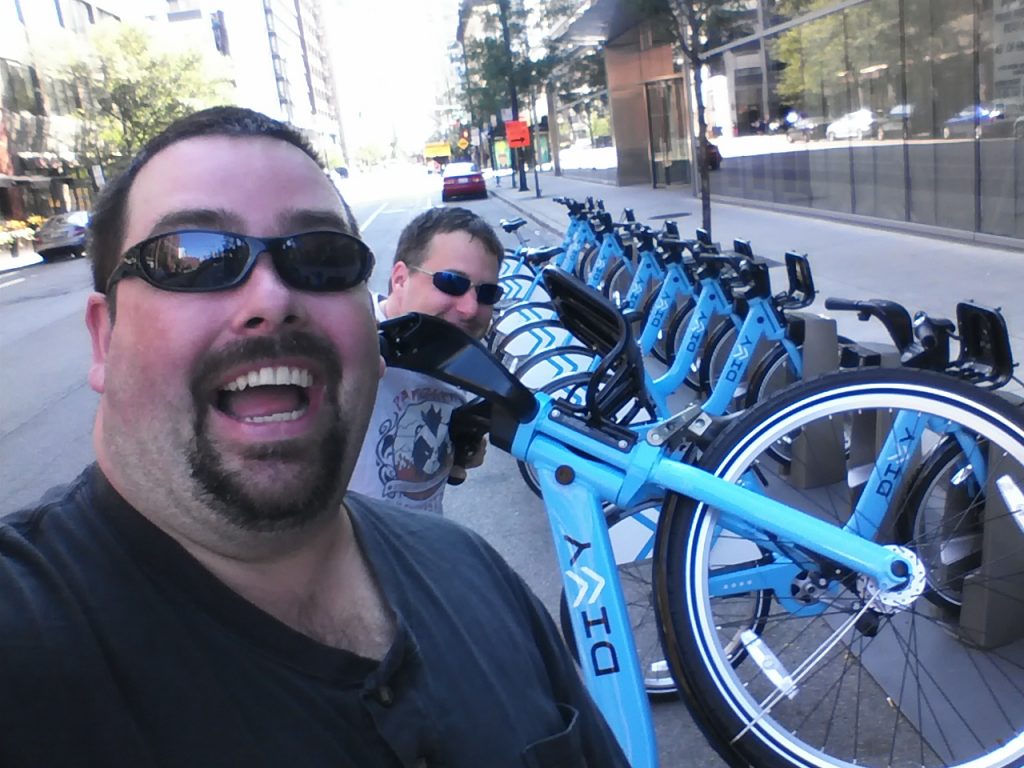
816,543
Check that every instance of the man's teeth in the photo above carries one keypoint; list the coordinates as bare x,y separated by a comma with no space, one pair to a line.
290,416
270,376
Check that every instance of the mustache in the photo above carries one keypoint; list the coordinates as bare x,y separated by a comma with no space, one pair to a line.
294,343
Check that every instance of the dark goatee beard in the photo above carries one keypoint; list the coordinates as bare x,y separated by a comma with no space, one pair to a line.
317,459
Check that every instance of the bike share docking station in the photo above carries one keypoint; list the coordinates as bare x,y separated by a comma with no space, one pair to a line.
977,561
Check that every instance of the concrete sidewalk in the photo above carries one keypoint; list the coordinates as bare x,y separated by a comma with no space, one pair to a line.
849,261
26,257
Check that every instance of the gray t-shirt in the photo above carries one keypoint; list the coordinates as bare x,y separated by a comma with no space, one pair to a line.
407,454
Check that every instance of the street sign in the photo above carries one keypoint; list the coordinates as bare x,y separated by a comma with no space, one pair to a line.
462,143
517,133
436,149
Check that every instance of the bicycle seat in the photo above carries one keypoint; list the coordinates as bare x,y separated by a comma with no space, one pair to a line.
538,256
511,225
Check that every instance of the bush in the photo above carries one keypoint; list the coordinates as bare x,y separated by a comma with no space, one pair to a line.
15,229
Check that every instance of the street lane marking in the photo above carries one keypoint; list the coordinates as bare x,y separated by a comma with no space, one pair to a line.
372,216
12,282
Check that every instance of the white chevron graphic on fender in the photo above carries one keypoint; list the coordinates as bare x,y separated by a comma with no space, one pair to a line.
584,585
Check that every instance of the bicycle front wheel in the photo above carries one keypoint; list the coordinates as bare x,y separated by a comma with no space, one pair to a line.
839,674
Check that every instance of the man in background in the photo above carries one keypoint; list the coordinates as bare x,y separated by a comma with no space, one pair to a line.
446,265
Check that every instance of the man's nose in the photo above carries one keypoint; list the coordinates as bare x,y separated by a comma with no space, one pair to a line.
266,302
467,304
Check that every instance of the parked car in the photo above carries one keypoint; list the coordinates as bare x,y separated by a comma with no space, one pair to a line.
803,128
462,180
981,120
896,124
1018,128
62,235
859,124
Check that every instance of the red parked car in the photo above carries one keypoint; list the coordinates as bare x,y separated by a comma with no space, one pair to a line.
462,180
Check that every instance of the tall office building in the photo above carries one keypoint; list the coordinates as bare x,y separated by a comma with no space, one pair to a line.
278,56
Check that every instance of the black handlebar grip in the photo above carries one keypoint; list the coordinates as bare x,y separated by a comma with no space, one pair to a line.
843,304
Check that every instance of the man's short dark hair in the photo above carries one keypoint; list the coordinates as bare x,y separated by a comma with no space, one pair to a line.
413,242
109,212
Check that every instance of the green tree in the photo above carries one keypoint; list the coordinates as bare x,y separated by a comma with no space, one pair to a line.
828,65
132,84
489,67
700,25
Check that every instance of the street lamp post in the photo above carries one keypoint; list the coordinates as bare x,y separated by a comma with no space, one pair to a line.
517,155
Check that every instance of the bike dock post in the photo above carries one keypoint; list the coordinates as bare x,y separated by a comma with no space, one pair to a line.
817,452
993,593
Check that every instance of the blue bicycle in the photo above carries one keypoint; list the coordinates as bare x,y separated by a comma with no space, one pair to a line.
794,604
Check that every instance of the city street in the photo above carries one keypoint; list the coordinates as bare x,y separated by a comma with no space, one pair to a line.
47,409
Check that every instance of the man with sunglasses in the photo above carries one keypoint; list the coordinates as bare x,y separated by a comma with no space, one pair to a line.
446,264
206,594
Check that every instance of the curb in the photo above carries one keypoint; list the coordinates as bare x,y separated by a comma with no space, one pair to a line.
531,215
18,268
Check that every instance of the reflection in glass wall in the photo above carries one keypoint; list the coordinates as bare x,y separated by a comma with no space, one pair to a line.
585,135
670,142
910,110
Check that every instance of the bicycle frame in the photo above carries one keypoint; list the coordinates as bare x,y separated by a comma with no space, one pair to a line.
578,468
711,303
676,288
760,322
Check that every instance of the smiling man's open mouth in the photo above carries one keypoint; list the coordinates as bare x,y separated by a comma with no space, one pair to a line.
267,394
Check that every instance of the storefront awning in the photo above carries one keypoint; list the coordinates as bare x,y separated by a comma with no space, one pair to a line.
594,22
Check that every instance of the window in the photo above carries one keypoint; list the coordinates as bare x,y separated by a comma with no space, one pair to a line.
20,88
79,16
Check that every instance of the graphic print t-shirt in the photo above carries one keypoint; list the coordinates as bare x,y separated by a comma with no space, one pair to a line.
406,456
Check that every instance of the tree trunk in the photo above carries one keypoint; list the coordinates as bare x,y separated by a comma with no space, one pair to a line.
702,147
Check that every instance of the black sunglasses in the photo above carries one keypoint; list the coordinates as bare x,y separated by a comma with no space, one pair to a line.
455,284
196,261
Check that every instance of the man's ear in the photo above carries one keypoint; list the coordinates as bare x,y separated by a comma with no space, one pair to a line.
399,275
100,325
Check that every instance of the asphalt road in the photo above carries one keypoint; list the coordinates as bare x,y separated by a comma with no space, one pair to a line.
47,408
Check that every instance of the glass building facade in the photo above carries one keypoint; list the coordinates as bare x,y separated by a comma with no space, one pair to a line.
907,111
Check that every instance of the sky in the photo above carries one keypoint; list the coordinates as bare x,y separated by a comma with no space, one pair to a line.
391,62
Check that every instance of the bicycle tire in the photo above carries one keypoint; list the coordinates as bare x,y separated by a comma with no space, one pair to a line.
935,711
520,314
928,506
713,357
662,350
772,373
616,282
534,337
677,331
584,264
555,364
516,286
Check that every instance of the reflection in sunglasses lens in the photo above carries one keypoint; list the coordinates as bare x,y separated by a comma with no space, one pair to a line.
451,283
